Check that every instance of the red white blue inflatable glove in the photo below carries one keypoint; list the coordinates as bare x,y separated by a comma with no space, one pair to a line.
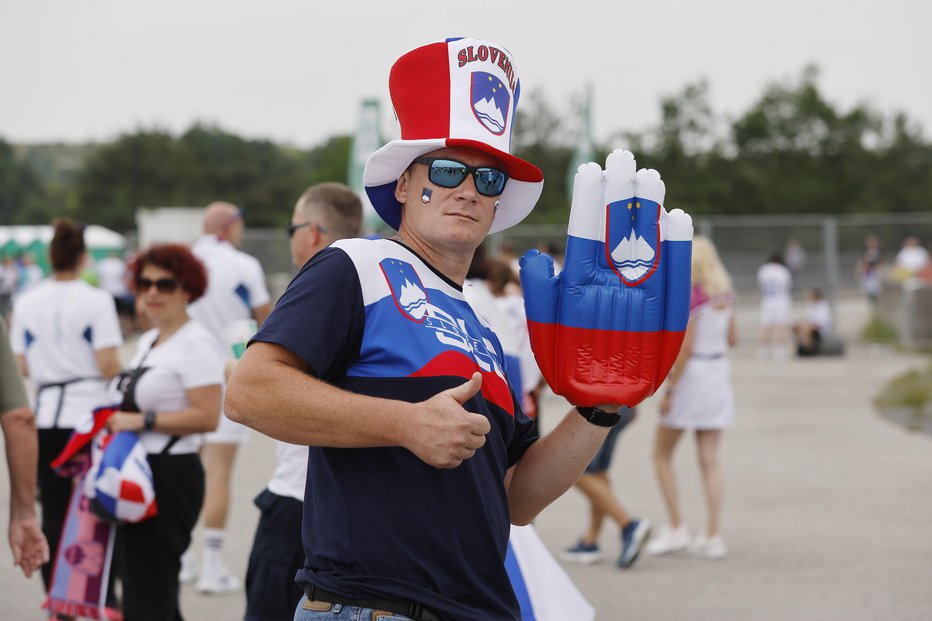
609,327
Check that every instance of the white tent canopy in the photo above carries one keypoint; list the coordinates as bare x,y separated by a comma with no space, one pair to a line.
94,236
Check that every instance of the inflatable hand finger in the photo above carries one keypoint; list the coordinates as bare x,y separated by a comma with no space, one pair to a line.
608,328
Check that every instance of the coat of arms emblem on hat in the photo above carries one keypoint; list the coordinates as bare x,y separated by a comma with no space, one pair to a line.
490,101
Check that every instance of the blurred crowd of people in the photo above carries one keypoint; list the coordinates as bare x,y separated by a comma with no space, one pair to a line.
810,331
184,307
179,305
396,376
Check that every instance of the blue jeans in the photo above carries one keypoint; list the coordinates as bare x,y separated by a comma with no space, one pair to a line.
307,611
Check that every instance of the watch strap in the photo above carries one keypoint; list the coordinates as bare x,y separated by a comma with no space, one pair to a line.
599,417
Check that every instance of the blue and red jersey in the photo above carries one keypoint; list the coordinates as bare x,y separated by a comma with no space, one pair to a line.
373,318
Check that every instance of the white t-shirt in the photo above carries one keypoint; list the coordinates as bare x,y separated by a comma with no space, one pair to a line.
912,258
111,276
290,472
512,307
58,326
187,359
819,314
505,315
9,279
235,286
775,281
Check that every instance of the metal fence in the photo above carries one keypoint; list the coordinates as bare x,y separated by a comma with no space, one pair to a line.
831,245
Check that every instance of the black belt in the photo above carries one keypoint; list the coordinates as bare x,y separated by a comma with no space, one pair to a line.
398,606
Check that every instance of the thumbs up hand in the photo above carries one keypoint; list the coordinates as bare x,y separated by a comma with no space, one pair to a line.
446,434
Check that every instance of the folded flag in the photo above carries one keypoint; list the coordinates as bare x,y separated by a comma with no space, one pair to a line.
544,591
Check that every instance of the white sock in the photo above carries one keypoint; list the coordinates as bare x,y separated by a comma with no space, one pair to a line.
212,559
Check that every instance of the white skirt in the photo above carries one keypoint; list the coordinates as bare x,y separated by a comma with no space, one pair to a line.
776,311
703,397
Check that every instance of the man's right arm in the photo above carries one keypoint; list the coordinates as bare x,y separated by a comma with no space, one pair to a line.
272,391
30,549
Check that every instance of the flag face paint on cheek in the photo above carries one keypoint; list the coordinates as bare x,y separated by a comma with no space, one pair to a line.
425,195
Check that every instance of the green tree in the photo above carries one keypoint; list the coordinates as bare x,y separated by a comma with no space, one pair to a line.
899,176
688,148
799,154
151,168
541,138
21,193
134,171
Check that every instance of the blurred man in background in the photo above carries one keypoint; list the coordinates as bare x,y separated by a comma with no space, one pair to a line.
236,291
325,213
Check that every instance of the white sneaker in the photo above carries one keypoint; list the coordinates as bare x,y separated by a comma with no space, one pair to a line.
712,548
218,582
189,567
668,540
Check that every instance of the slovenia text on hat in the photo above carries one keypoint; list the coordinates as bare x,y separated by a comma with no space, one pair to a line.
454,93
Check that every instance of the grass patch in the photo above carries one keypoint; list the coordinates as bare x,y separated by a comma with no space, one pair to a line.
879,331
907,400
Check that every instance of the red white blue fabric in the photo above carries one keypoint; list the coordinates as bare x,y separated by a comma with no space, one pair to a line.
609,327
122,481
75,458
80,577
454,93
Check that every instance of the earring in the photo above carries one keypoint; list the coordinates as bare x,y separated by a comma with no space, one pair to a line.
425,195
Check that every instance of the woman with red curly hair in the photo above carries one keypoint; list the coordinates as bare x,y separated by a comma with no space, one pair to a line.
170,396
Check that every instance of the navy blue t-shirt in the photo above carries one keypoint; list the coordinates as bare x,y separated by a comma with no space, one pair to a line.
371,317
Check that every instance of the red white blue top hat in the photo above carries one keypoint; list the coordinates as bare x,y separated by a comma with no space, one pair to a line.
454,93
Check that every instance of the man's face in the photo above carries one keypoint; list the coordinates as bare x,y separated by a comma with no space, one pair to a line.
456,219
305,241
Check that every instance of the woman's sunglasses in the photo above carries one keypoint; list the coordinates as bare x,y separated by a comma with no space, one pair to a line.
163,285
449,173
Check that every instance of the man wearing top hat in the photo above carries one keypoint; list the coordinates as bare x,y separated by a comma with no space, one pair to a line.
419,453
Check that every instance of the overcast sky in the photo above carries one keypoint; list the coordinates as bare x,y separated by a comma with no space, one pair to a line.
295,71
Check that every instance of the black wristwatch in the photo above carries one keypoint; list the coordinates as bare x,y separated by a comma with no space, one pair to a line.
148,420
599,417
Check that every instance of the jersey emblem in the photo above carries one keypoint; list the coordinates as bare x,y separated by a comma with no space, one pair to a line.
408,291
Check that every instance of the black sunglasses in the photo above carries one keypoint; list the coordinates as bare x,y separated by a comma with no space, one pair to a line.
164,285
449,173
291,228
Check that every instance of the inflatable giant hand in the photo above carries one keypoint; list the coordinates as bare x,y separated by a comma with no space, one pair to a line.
608,328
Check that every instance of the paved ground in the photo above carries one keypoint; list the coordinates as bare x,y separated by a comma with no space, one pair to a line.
828,510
